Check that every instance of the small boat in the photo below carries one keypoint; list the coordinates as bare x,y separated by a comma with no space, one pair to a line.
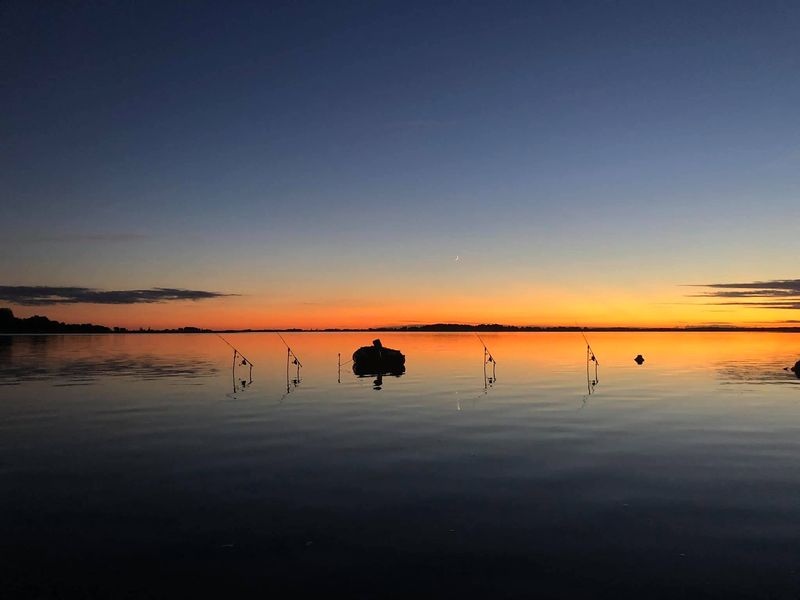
375,359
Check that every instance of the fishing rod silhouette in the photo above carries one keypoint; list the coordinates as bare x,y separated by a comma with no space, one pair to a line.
291,359
244,362
591,358
488,359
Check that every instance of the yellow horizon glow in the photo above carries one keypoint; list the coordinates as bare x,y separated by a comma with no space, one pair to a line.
547,308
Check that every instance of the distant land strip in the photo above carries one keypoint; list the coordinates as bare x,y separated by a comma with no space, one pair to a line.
39,324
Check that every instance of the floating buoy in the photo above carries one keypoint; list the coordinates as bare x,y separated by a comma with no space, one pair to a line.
639,359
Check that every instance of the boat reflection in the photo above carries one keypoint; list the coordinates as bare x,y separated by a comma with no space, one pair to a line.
361,372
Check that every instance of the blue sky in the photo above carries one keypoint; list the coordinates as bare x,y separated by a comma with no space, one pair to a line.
256,147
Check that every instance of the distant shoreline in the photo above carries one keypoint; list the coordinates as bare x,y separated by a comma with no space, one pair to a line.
9,324
195,331
506,329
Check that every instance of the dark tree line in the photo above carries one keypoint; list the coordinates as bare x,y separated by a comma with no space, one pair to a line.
36,324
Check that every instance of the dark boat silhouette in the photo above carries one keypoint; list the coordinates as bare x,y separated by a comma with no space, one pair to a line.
377,360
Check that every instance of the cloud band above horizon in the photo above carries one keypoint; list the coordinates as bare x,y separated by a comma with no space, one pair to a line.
776,294
47,295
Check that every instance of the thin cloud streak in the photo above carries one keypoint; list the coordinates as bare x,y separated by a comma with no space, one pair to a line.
775,294
783,305
47,295
747,294
776,287
91,237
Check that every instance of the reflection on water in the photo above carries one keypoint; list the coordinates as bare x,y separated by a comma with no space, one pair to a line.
36,358
377,383
292,379
771,371
668,479
241,381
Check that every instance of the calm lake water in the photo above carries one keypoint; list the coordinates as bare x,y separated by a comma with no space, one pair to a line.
141,466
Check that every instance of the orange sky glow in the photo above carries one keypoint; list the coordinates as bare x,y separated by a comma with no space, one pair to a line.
544,309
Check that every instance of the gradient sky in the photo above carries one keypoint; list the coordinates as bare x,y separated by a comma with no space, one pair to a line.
327,161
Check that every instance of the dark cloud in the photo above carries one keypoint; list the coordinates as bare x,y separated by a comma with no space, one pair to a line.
784,305
46,295
776,287
749,294
778,293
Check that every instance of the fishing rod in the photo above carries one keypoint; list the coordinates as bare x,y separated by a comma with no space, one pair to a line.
486,352
291,359
488,358
589,351
290,352
590,357
246,361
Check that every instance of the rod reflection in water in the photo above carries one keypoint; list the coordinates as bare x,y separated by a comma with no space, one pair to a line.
292,382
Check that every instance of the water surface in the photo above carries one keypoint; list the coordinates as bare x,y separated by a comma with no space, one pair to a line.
146,466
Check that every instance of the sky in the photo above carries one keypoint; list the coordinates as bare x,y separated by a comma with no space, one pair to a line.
348,164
